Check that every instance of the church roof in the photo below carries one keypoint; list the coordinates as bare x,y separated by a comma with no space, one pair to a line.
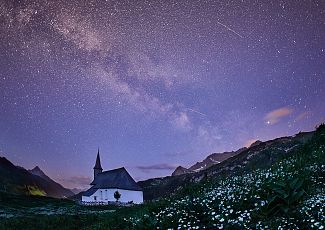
89,192
117,178
98,165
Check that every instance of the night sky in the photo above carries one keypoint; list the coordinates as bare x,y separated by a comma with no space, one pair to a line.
154,84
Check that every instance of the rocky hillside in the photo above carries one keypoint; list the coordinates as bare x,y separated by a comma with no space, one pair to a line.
213,159
258,155
17,180
181,170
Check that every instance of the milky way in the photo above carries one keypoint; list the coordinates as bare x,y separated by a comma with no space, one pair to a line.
154,84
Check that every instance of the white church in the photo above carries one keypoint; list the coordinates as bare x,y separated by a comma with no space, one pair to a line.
106,183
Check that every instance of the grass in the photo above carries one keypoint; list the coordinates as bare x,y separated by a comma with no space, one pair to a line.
35,191
290,194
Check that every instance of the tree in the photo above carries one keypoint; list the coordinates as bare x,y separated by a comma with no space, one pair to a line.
117,195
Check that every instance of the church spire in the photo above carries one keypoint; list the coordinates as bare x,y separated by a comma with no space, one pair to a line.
97,168
98,165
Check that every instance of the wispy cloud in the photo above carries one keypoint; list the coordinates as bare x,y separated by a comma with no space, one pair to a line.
276,115
303,116
163,166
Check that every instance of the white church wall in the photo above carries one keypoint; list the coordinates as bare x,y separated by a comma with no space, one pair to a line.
105,195
87,199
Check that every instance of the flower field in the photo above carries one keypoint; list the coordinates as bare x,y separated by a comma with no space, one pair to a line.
282,197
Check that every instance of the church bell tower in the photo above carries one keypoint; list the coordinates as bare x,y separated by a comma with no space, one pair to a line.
97,168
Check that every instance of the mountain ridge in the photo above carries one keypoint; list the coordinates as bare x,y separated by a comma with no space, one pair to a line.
212,159
261,154
18,180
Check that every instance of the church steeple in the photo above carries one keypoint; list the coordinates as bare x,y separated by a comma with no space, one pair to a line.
97,168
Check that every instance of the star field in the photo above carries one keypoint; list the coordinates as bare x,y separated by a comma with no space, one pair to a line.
154,84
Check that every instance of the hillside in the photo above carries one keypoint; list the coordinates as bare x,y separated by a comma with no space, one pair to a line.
259,155
17,180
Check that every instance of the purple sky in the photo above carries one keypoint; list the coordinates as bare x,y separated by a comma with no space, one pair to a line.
153,84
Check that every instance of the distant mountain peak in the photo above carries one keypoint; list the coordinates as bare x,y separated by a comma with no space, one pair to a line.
38,172
181,170
255,143
36,168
